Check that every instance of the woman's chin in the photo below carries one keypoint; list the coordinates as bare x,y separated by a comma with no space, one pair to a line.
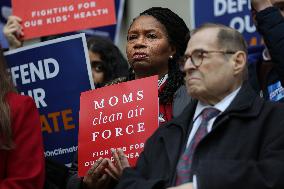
140,63
142,67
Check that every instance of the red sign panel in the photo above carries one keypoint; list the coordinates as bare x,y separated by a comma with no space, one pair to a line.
42,18
118,116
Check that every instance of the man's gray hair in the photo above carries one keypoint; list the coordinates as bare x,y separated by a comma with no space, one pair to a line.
228,38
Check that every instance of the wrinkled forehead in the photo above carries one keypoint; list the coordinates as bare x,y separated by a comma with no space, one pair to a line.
206,39
146,22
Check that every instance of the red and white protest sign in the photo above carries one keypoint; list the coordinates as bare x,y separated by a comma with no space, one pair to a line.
42,18
118,116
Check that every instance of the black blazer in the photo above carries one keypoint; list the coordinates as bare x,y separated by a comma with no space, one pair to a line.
245,149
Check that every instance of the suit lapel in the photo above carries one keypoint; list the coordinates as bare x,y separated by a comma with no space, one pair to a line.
241,106
175,135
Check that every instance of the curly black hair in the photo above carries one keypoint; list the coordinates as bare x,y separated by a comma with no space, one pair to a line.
115,65
178,35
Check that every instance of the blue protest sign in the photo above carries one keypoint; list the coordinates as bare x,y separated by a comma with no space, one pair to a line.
233,13
54,73
5,11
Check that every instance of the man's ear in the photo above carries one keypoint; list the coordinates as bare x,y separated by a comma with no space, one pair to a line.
240,61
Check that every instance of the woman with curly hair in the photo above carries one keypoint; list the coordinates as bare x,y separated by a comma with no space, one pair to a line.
156,40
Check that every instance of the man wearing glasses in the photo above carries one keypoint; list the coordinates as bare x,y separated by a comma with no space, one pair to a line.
227,138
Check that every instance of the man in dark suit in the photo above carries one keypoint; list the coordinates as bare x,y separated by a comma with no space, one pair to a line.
228,137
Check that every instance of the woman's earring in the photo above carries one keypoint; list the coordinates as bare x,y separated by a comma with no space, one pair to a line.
171,57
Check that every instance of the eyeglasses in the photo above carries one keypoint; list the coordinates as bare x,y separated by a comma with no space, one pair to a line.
197,57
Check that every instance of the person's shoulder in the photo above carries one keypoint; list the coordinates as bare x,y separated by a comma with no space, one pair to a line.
181,91
17,101
273,104
24,113
15,98
165,127
276,108
116,81
180,101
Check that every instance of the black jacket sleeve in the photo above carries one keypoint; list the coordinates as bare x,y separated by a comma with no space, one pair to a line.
74,181
270,24
138,177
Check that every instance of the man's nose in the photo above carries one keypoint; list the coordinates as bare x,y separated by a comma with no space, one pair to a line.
188,65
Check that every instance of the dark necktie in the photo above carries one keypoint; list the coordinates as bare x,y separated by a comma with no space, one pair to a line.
184,164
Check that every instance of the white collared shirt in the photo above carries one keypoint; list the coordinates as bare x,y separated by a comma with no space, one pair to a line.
221,106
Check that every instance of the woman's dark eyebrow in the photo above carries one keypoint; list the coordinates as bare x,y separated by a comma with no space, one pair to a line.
144,30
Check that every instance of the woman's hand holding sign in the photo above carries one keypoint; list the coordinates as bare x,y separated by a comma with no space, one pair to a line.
104,173
120,162
96,176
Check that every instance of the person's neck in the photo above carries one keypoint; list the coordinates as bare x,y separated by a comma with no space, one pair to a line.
162,75
213,99
140,76
143,75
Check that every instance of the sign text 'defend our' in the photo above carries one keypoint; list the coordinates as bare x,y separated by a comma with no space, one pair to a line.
233,13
